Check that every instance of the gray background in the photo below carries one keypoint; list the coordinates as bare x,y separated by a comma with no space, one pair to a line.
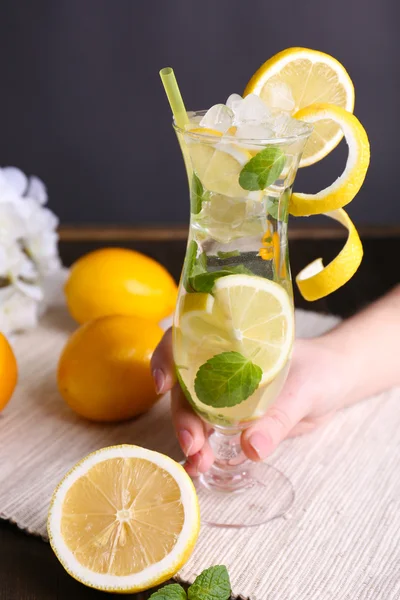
82,105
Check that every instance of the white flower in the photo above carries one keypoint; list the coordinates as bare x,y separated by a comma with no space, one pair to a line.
28,248
25,218
37,190
16,179
12,227
17,311
20,271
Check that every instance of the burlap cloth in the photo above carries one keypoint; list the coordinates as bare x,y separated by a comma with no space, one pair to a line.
341,539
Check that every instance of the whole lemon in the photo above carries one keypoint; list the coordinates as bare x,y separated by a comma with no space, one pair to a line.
115,281
104,369
8,371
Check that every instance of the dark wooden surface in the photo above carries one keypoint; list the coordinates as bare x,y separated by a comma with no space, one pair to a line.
28,568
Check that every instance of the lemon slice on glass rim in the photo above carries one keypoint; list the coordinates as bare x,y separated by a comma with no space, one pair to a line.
124,519
306,76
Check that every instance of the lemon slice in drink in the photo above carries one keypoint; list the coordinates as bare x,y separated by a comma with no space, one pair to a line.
250,315
124,519
309,76
218,168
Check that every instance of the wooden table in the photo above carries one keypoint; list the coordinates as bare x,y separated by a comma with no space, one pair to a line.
28,568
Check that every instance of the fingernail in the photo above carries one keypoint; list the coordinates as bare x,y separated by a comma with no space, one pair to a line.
260,444
159,380
186,441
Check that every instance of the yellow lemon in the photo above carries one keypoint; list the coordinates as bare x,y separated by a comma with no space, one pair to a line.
298,77
8,371
124,519
104,369
119,281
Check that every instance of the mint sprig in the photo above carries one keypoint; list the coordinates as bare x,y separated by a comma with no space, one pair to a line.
278,208
193,265
227,379
174,591
203,281
211,584
263,169
196,277
197,195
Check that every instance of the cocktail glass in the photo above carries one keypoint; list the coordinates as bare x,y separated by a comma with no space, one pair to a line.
234,321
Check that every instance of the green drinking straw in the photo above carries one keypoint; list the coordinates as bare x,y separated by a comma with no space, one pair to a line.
174,97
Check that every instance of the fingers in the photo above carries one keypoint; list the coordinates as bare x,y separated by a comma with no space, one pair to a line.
201,461
309,425
188,426
162,364
260,440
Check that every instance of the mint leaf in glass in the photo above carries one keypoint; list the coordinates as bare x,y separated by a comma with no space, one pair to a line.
211,584
273,207
190,261
263,169
203,281
197,195
196,278
170,592
227,379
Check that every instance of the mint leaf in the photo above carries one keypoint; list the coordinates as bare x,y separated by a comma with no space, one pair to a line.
263,169
211,584
197,195
190,261
195,276
170,592
227,379
278,208
273,207
224,255
203,281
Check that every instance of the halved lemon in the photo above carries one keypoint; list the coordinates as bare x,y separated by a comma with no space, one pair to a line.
311,76
124,519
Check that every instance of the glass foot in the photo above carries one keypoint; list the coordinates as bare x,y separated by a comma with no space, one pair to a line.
256,497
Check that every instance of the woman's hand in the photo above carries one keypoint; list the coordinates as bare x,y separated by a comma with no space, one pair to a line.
357,359
312,393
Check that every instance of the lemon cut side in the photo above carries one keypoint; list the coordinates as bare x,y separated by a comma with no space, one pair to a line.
124,519
309,76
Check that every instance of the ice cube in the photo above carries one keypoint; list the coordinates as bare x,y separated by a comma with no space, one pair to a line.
284,125
252,108
254,131
280,123
278,96
296,127
234,101
218,117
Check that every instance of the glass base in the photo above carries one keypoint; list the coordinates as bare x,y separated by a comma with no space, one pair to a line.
245,499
